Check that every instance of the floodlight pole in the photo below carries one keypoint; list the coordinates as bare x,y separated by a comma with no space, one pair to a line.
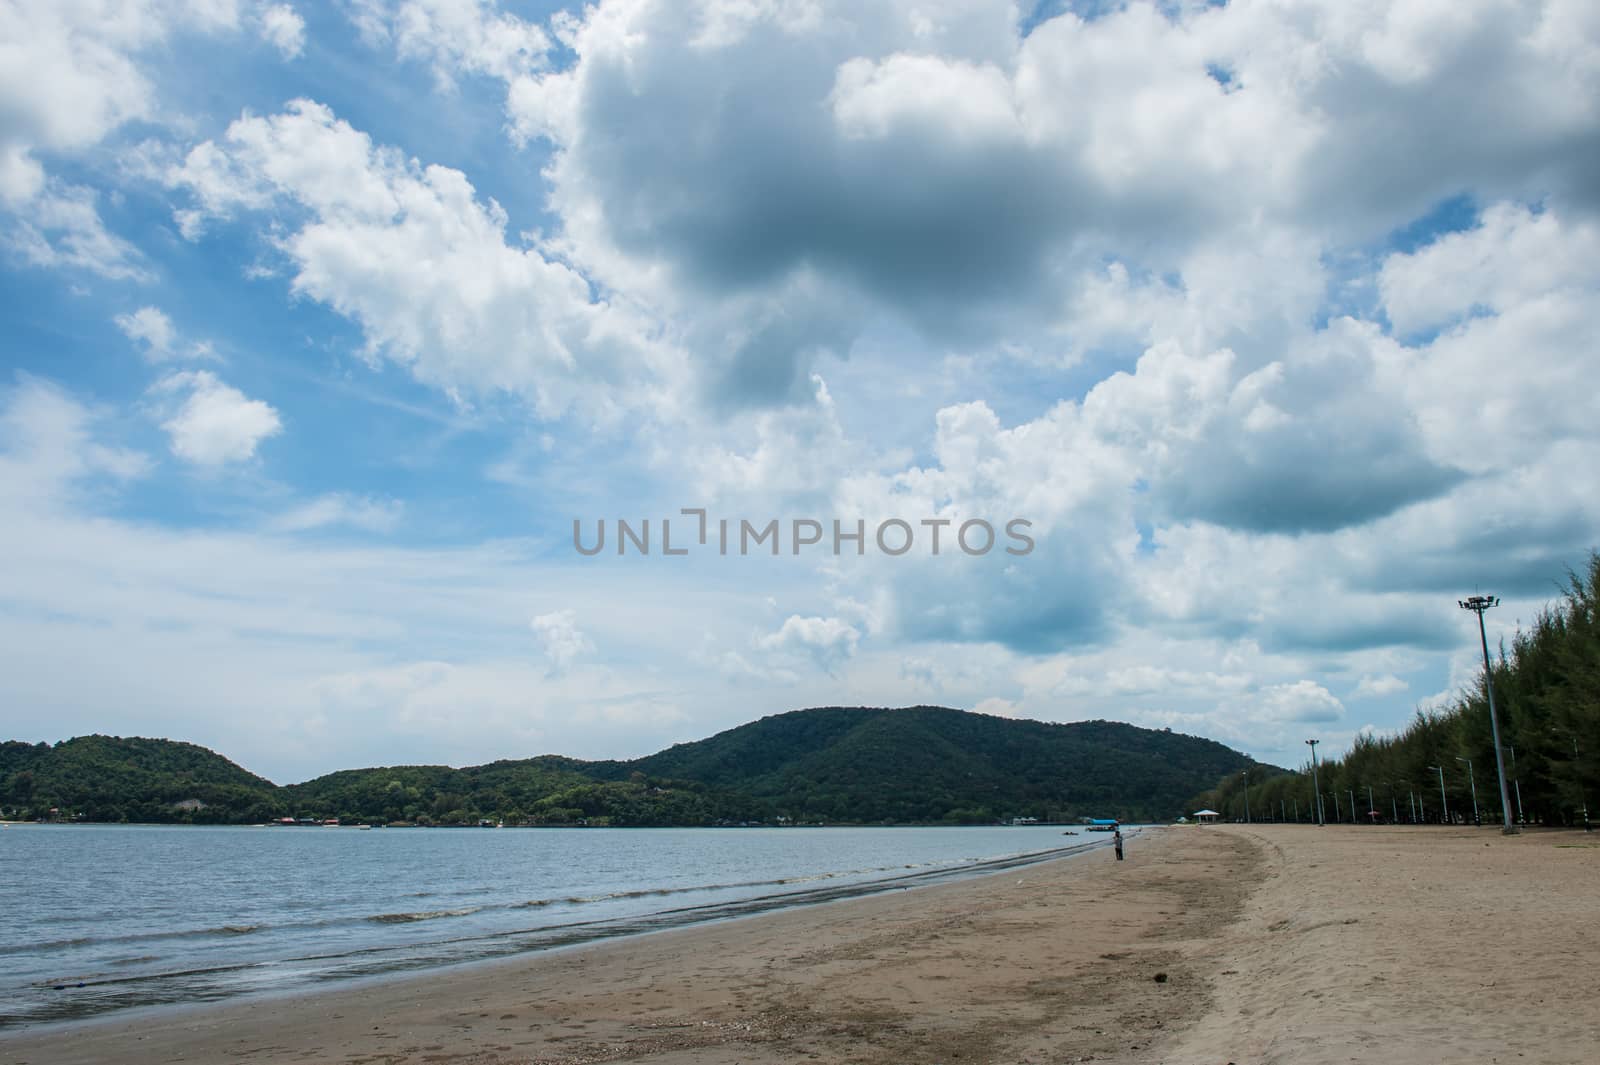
1478,604
1442,797
1352,793
1246,775
1316,785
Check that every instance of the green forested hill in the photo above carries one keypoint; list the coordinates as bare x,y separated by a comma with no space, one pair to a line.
937,764
112,778
836,764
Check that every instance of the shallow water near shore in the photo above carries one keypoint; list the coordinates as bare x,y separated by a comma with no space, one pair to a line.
104,918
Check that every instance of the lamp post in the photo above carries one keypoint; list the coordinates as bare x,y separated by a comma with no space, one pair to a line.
1516,784
1246,775
1316,786
1442,798
1473,788
1478,604
1577,775
1336,817
1371,808
1354,820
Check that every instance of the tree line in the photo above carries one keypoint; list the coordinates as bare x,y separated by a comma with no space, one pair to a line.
1546,685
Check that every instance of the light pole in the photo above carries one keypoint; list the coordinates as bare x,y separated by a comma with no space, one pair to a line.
1316,786
1473,788
1577,775
1246,775
1442,799
1516,784
1353,819
1336,817
1478,604
1371,806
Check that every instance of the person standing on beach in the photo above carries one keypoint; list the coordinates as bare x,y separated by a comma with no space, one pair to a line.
1116,841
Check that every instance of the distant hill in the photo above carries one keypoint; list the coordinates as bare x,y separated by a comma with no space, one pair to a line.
834,764
936,764
112,778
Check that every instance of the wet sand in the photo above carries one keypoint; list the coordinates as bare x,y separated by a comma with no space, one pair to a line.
1222,944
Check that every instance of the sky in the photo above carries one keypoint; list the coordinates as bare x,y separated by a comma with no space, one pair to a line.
325,326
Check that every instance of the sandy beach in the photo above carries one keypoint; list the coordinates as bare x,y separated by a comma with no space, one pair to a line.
1222,944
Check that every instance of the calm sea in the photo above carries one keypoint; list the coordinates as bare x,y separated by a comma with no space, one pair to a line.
100,918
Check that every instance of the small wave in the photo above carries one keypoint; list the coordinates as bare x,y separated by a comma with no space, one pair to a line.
422,915
48,945
134,959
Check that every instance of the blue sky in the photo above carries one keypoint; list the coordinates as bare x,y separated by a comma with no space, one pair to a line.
322,324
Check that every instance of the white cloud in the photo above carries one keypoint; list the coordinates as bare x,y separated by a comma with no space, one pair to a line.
996,707
561,639
826,642
70,74
151,328
1379,686
61,228
1123,277
50,445
283,28
421,263
157,338
1301,701
340,509
215,424
458,37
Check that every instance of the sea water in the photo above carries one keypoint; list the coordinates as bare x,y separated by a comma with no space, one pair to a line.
97,918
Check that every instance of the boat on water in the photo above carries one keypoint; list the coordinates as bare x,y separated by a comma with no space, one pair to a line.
1102,824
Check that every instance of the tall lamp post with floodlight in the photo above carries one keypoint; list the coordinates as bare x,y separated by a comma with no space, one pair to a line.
1246,775
1478,604
1316,785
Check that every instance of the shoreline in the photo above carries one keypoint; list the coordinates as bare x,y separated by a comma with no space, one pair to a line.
716,985
511,945
1258,945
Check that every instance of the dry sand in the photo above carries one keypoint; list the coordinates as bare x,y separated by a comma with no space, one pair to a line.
1275,944
1407,945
